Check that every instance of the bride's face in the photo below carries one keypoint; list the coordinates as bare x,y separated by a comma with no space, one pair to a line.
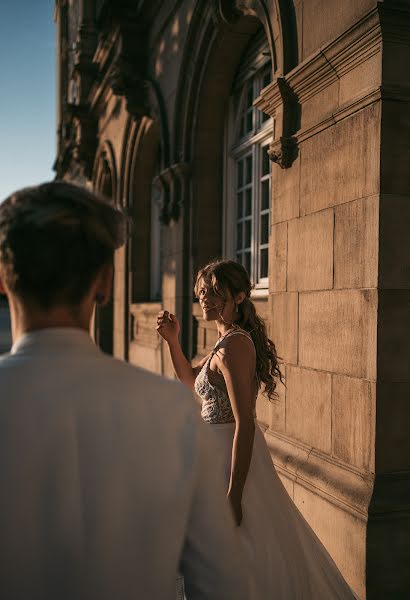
214,307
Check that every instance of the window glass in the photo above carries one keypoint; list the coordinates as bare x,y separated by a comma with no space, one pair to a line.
252,167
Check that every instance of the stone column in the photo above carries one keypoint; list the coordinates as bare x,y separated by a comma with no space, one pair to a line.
182,208
176,269
388,537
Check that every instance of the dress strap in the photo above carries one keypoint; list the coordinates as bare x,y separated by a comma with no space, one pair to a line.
242,332
229,334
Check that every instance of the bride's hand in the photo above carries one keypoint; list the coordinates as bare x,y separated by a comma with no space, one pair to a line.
168,326
236,505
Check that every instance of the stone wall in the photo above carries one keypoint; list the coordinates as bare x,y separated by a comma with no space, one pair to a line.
339,275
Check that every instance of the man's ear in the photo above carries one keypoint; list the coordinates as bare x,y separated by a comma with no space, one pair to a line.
103,288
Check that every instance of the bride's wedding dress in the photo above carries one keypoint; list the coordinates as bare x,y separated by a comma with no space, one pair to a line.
286,559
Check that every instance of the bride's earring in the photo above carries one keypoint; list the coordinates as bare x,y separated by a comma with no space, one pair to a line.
236,308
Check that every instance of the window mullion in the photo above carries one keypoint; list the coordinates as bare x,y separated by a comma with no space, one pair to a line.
255,205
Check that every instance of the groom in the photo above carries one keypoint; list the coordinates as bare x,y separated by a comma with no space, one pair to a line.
109,481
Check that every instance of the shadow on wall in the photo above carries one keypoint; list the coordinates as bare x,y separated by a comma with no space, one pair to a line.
5,328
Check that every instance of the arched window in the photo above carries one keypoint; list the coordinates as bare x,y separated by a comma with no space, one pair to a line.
248,182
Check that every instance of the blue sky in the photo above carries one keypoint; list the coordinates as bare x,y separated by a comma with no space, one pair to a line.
27,93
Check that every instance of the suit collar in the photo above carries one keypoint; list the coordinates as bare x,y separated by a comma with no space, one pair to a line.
62,340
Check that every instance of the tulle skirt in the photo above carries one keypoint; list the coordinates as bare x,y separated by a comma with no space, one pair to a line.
286,559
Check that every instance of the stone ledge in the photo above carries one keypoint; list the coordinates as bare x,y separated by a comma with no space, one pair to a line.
340,484
328,64
340,114
332,61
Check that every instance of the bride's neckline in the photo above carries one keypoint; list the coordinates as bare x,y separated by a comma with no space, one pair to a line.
233,328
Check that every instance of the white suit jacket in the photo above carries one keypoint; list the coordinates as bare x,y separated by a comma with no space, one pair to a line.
109,482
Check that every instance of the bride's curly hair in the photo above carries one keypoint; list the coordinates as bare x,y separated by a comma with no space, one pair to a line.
229,275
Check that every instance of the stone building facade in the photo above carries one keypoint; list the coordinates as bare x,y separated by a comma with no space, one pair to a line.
276,132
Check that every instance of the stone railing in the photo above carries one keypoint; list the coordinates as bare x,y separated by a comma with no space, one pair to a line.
145,344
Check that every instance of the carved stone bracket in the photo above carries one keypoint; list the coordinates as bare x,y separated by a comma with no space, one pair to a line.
283,151
174,185
281,103
127,81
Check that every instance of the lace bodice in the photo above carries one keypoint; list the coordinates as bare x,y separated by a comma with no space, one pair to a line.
216,406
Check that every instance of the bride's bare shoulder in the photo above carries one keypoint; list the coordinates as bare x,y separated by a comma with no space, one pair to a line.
238,346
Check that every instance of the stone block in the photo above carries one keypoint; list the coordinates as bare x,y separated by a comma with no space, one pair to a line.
393,355
278,249
343,535
146,357
308,407
145,347
356,244
277,406
395,132
323,20
262,409
283,325
262,307
298,4
285,192
341,163
353,421
394,245
393,426
310,252
319,106
361,80
337,332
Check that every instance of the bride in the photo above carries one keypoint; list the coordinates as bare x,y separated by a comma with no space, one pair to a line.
286,559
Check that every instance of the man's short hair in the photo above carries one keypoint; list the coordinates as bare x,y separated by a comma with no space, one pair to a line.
54,238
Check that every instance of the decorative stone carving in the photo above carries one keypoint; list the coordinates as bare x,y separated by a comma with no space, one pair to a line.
78,126
283,151
281,103
126,81
83,136
174,184
123,36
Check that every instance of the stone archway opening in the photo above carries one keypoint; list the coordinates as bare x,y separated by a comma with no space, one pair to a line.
104,183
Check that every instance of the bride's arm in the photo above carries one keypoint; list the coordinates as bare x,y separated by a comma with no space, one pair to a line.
168,327
237,364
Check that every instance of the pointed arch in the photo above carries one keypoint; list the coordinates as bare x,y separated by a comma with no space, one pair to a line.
142,155
105,177
105,181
